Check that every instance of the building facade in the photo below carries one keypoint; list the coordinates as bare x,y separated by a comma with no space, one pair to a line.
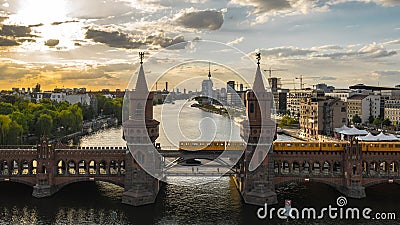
319,116
392,111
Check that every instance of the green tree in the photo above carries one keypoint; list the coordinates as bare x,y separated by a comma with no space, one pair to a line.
356,119
22,119
386,122
377,122
44,125
14,135
6,108
5,122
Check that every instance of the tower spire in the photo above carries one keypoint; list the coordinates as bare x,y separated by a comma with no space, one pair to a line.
209,70
258,57
141,83
258,85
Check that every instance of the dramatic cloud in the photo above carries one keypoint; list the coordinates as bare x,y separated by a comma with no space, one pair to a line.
15,31
92,74
52,42
112,39
163,41
8,42
286,52
202,19
373,50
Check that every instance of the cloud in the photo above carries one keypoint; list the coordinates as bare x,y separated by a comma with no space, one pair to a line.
8,42
394,42
94,9
163,41
201,19
15,31
112,39
11,70
52,42
289,51
92,74
370,51
387,74
236,41
259,11
328,78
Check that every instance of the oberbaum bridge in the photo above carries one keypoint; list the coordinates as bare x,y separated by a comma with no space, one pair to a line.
48,167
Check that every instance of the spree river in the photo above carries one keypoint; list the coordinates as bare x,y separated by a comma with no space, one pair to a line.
214,203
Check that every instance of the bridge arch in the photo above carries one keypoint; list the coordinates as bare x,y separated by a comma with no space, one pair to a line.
79,180
4,169
25,167
20,181
61,167
34,165
92,167
380,181
307,180
82,167
103,167
306,167
337,168
71,167
326,168
295,167
14,167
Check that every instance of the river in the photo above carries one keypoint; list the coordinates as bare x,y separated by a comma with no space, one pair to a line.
214,203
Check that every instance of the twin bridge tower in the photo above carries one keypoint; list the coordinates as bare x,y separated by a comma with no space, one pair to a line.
141,130
139,166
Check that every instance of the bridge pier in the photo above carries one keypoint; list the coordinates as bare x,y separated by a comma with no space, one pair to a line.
258,186
352,177
43,190
140,187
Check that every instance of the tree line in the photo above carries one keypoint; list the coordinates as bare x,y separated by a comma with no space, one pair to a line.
22,120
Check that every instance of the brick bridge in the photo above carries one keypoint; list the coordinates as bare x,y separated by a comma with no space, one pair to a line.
49,167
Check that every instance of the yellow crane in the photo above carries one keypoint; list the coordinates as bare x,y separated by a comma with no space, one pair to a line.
270,71
301,78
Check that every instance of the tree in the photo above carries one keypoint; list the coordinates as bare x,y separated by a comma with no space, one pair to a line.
386,122
371,119
356,119
14,136
5,122
44,125
377,122
6,108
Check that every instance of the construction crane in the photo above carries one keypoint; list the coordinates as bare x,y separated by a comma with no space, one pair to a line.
270,71
301,78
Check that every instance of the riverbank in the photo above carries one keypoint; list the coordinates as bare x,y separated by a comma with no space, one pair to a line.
88,128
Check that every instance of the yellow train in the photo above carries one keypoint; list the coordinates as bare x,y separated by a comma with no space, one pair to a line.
288,146
381,146
211,146
335,146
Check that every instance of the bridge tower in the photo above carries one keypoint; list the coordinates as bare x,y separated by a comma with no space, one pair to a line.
256,183
352,170
140,132
45,184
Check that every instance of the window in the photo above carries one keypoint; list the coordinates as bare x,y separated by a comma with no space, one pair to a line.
251,107
343,109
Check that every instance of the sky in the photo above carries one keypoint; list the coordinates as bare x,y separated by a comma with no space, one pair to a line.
95,44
